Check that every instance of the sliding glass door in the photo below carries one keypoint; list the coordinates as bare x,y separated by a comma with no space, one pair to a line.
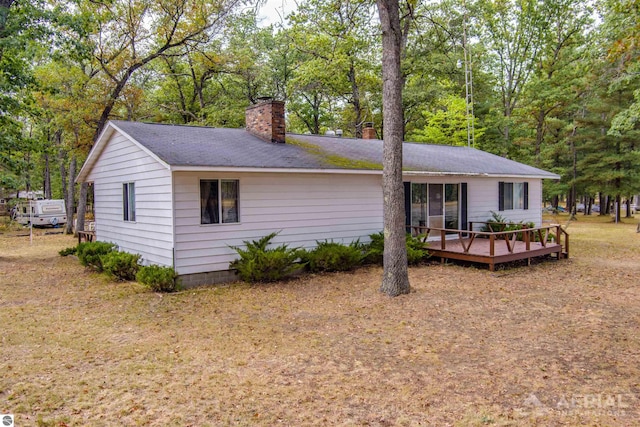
451,207
435,205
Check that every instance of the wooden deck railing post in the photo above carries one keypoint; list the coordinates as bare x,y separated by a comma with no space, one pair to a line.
443,238
492,244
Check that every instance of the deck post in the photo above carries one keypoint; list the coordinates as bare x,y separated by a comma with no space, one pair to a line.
492,245
527,238
443,238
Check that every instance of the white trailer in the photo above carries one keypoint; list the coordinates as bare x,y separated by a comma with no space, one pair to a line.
40,213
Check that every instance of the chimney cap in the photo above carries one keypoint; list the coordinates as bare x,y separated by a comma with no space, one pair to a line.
368,124
265,98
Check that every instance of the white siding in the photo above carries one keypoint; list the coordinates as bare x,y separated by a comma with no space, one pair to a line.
151,235
305,208
482,197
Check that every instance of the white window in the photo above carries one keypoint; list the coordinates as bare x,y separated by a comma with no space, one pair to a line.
129,201
513,195
219,201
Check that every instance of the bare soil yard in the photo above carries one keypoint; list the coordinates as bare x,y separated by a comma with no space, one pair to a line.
554,344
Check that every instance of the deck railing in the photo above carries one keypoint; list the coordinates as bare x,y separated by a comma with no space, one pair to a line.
542,235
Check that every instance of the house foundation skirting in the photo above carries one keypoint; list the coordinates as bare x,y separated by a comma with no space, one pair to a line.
211,278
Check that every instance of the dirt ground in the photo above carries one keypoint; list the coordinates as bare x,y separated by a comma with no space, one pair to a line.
557,343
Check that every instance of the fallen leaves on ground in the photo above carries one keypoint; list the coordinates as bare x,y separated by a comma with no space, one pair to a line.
556,343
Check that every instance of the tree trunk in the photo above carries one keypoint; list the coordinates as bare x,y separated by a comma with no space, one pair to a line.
47,177
82,206
395,279
70,193
27,173
540,121
628,203
62,155
604,204
571,202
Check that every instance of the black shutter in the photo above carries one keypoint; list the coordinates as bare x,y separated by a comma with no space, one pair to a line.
526,195
500,196
407,205
125,202
464,223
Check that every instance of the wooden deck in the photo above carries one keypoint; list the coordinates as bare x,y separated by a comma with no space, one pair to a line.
495,247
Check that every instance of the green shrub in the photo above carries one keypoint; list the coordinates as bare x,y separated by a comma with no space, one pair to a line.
68,251
375,249
498,223
331,256
159,279
259,264
90,253
121,265
416,251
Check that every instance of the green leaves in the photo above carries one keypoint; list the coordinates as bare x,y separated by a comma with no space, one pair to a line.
258,263
447,125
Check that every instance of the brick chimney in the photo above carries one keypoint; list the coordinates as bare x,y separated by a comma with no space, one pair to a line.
368,132
266,120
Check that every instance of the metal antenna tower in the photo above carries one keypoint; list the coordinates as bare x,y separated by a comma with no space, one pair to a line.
468,83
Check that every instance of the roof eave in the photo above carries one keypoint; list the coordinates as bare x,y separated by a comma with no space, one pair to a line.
482,174
185,168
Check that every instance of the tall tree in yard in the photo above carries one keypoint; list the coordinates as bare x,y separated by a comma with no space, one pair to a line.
132,34
512,33
395,279
334,38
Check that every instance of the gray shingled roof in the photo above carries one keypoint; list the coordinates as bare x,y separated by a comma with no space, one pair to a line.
216,147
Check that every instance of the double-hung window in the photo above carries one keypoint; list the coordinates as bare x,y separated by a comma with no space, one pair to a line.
513,195
129,201
219,201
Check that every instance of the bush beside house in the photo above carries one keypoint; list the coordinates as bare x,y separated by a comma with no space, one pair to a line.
257,261
122,266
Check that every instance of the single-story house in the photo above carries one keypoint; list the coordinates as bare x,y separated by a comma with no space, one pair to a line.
182,195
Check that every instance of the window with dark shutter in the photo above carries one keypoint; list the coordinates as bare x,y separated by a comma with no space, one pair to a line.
129,201
513,195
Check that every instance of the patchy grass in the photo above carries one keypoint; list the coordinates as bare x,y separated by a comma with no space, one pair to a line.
553,344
